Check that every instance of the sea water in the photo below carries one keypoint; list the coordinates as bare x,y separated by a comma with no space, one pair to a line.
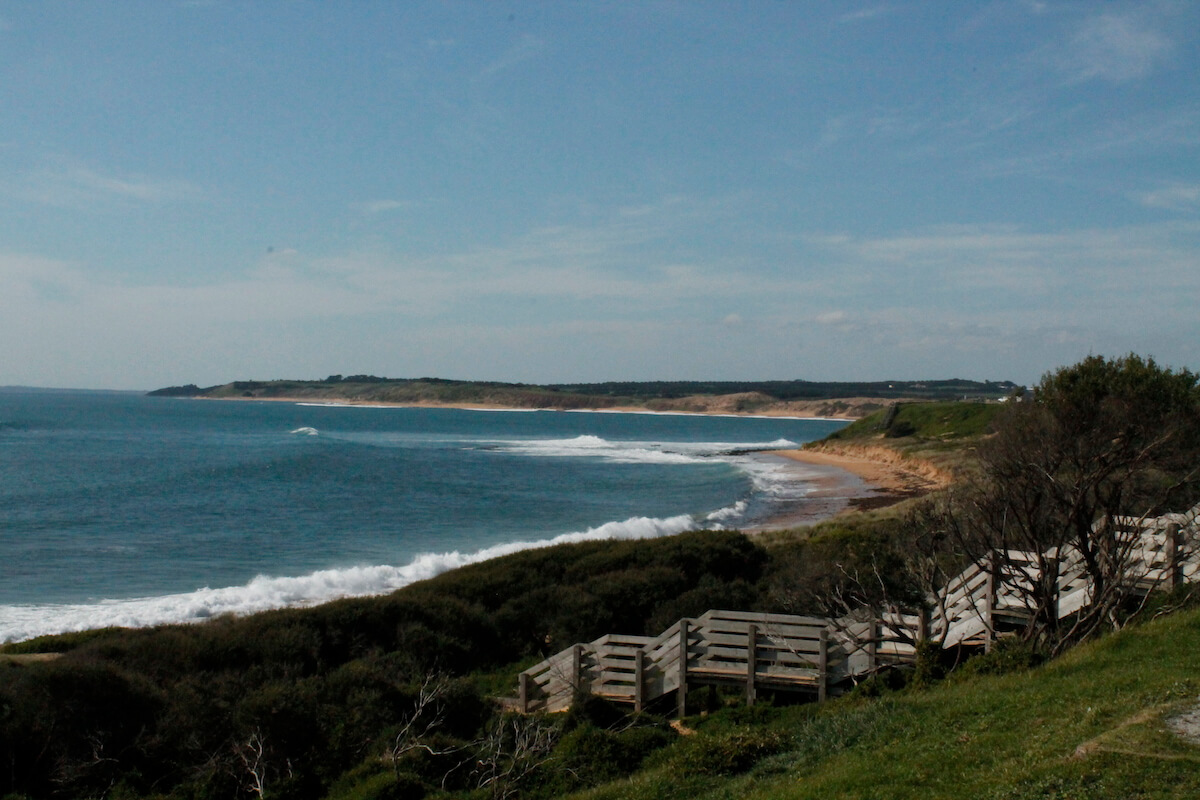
121,509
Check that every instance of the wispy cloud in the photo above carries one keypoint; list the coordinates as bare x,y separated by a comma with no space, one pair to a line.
373,207
1115,47
1007,268
864,14
1135,134
1173,198
84,187
524,49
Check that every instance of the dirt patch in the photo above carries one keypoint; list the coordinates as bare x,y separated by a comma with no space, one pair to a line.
1186,725
27,658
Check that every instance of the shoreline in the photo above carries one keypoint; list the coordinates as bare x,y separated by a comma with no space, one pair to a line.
842,482
783,410
845,482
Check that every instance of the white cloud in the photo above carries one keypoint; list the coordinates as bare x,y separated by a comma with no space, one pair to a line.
83,187
1114,47
871,12
831,318
1174,198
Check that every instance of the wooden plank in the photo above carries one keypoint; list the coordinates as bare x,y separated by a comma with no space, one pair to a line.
726,653
767,637
751,661
766,630
622,639
619,664
760,618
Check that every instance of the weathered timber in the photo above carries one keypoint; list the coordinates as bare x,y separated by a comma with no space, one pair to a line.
812,654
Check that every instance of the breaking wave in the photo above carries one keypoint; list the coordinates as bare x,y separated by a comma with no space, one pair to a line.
624,452
26,621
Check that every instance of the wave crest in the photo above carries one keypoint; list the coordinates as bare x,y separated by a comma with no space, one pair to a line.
21,622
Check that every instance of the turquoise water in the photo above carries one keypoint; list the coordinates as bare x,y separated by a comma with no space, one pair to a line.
122,509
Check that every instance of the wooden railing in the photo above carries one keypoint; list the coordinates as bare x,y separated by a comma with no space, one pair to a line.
734,647
811,654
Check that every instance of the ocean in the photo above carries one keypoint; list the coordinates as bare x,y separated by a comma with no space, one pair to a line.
121,509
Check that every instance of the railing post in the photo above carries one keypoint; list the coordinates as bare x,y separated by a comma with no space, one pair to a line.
681,694
822,665
751,661
639,680
872,637
923,623
1174,565
524,690
577,669
1055,564
989,602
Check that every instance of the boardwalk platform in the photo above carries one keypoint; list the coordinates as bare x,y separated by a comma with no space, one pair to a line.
763,651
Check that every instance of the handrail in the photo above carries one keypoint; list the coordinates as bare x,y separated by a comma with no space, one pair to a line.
809,653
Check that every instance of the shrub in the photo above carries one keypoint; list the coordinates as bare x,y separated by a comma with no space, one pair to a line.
1009,654
724,753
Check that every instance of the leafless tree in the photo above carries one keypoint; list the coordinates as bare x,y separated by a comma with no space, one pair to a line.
252,754
427,717
1064,480
513,750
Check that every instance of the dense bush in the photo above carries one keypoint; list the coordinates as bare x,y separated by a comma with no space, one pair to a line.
296,699
725,752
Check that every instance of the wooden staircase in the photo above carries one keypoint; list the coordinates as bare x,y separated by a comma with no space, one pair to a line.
815,655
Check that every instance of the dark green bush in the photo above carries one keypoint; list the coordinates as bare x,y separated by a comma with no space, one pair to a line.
727,752
373,781
1008,654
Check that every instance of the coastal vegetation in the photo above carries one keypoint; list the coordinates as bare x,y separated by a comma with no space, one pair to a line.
807,398
396,696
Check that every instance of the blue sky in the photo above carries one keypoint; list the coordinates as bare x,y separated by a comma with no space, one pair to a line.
568,191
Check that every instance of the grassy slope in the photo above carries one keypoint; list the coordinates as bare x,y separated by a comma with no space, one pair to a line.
1011,736
943,434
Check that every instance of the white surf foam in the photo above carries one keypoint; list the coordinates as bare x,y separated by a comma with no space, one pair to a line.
631,452
20,622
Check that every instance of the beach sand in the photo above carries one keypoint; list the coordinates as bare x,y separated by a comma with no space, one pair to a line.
848,481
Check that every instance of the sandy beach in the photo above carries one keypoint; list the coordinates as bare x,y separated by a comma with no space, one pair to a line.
851,480
849,408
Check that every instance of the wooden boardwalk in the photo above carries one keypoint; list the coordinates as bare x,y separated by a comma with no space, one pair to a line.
758,651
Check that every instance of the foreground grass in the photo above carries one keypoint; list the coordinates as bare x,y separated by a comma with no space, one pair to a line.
1089,725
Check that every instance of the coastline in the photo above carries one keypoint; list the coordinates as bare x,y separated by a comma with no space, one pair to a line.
841,481
845,481
846,410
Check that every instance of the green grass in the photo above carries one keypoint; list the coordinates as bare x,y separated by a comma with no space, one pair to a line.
937,421
1089,725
